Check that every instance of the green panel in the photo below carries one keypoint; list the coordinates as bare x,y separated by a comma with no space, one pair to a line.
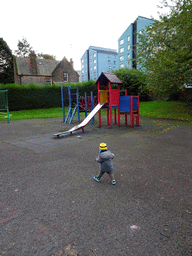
3,100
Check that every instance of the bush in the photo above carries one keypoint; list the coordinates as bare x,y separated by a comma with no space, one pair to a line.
23,97
84,87
134,81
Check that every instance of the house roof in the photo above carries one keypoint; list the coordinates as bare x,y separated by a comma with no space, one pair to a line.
44,67
107,77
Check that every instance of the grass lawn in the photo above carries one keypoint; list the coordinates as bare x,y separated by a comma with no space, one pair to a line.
166,109
162,109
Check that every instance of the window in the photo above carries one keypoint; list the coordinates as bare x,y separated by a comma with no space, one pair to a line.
114,68
121,58
122,50
128,63
114,61
128,48
122,66
121,41
48,80
94,55
128,55
65,77
94,73
82,66
94,67
114,56
94,61
82,71
128,38
109,56
109,67
82,61
109,61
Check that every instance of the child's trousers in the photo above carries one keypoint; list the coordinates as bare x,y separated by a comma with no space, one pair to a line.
110,174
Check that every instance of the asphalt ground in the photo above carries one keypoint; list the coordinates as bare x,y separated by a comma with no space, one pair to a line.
50,204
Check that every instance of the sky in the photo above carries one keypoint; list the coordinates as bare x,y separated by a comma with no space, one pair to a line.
68,27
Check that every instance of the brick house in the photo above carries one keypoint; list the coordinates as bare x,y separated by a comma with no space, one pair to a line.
43,71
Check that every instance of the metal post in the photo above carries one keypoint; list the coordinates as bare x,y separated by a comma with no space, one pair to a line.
110,105
62,101
125,114
119,106
77,100
92,106
85,104
137,117
131,112
98,88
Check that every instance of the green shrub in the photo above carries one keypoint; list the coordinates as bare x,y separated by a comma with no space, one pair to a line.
21,97
134,81
84,87
24,97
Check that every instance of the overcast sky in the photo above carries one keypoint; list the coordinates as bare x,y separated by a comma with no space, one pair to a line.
68,27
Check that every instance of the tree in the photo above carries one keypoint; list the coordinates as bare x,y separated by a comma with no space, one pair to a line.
165,50
47,56
134,81
6,63
24,48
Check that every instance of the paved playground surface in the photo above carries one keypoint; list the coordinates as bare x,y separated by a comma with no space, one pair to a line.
50,204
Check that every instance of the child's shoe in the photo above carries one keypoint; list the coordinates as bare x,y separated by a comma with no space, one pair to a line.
97,179
113,182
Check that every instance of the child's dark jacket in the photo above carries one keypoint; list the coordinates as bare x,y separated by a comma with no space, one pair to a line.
105,159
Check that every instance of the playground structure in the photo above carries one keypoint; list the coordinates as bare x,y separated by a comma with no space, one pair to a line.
77,104
109,98
126,105
4,104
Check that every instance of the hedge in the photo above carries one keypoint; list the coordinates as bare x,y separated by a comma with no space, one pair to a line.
23,97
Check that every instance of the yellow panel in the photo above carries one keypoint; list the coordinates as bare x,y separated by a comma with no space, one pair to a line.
103,96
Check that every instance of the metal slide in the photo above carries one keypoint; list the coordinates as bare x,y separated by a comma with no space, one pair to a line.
83,123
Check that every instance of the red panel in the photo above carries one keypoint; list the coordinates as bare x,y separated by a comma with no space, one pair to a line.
114,99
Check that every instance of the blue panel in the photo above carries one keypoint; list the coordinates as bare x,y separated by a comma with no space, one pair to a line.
124,103
134,103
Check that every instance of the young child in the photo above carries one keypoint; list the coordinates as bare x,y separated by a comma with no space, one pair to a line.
105,159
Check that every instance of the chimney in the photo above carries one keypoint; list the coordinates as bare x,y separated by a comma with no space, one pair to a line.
71,61
33,63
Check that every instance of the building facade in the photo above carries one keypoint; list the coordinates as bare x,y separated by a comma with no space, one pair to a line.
96,60
127,43
43,71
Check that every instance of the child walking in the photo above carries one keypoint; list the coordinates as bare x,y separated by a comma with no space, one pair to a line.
105,159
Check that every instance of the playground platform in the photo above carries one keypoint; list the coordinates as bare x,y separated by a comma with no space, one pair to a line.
50,204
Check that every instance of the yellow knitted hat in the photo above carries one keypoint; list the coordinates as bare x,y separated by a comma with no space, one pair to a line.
103,146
